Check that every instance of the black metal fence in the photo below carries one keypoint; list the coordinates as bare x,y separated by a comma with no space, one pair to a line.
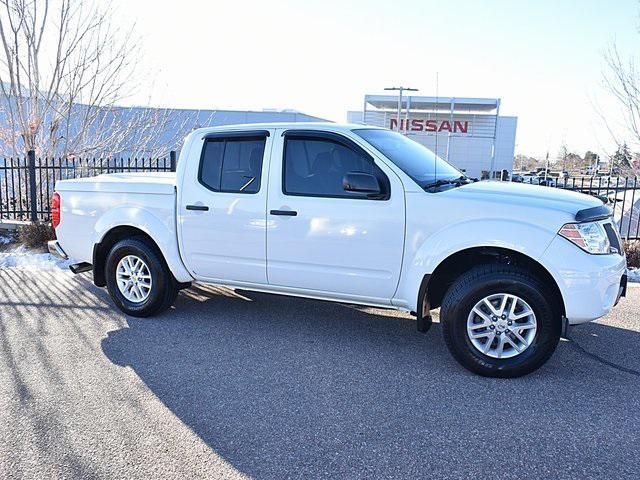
622,194
26,184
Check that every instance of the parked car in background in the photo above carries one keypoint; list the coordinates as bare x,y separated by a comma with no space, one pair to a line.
351,214
533,179
548,181
590,170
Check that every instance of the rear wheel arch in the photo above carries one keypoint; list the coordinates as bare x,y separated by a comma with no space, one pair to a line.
435,285
101,250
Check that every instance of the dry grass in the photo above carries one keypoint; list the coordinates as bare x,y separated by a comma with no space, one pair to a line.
36,235
632,249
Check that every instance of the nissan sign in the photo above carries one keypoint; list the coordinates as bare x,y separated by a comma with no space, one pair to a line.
430,125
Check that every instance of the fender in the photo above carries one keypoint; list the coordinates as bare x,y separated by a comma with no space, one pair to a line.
424,253
162,231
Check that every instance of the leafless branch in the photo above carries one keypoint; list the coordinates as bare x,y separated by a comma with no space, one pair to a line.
65,66
622,80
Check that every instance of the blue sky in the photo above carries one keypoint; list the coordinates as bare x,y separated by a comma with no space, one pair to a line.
543,58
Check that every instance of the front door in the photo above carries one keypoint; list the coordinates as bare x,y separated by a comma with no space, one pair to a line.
222,207
322,238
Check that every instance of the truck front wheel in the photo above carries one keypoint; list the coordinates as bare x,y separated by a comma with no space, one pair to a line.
138,279
498,321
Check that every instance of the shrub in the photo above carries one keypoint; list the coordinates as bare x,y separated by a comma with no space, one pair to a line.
36,235
632,249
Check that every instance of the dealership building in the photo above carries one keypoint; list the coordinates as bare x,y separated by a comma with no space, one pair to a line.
469,133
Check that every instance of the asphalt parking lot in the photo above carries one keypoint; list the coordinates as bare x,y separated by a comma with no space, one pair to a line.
237,384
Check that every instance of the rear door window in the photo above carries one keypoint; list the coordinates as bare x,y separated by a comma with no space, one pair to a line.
232,164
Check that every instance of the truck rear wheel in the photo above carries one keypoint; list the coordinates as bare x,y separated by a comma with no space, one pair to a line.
138,279
498,321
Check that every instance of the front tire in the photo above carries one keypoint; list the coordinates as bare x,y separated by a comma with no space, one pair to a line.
138,279
499,321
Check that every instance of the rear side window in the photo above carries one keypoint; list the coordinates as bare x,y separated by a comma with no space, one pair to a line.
232,164
317,166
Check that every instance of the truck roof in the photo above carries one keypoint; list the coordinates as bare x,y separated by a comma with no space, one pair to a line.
330,126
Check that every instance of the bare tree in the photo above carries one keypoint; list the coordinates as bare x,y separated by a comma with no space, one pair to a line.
525,163
622,81
561,160
65,66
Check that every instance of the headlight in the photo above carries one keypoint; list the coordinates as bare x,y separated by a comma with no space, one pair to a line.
589,236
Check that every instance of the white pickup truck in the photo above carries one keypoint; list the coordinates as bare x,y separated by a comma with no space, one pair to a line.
357,215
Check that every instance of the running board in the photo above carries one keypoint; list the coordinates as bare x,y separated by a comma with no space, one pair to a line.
80,267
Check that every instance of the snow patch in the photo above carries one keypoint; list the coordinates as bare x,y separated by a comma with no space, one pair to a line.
4,240
25,259
633,275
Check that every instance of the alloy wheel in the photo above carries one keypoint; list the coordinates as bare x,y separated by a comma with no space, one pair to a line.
133,278
501,325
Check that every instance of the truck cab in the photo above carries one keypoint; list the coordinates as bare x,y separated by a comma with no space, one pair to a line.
268,208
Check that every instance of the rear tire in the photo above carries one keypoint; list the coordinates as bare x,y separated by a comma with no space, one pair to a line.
506,343
138,279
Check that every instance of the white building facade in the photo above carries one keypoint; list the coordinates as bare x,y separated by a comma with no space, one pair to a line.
467,132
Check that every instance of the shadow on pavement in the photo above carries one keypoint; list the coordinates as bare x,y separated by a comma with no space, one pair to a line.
285,387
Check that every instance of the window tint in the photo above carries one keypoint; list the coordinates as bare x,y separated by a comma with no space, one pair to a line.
211,164
232,165
416,160
318,166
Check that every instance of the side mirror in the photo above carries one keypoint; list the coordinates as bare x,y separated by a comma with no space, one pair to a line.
361,183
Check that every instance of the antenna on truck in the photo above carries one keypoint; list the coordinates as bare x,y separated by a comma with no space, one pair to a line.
435,160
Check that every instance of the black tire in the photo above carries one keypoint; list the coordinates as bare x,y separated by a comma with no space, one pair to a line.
480,282
164,288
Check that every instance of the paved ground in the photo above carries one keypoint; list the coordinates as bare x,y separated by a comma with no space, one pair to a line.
240,384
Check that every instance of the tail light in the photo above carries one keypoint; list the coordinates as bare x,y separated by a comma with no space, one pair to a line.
56,203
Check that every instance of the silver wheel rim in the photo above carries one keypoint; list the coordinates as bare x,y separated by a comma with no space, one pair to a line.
133,278
501,325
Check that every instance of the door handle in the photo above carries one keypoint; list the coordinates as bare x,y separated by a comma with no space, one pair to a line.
286,213
202,208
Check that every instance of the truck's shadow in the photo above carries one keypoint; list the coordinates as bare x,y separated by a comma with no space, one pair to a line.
285,387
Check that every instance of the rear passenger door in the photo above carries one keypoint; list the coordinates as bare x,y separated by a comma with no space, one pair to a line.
223,205
321,238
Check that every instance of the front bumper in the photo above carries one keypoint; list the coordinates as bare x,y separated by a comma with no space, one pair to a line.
590,284
56,250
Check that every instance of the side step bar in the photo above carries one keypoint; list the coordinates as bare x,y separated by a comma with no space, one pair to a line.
81,267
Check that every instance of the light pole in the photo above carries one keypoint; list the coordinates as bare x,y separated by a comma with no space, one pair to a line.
400,90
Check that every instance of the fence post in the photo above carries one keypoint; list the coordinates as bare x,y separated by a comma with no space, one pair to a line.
172,157
33,198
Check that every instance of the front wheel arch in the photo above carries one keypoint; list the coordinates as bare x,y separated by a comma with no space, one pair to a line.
435,285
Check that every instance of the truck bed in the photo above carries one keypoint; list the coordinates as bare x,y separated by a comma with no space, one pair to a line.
92,206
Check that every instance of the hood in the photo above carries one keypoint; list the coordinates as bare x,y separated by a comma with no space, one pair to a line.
532,196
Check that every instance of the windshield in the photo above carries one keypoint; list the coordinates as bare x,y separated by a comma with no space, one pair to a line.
414,159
